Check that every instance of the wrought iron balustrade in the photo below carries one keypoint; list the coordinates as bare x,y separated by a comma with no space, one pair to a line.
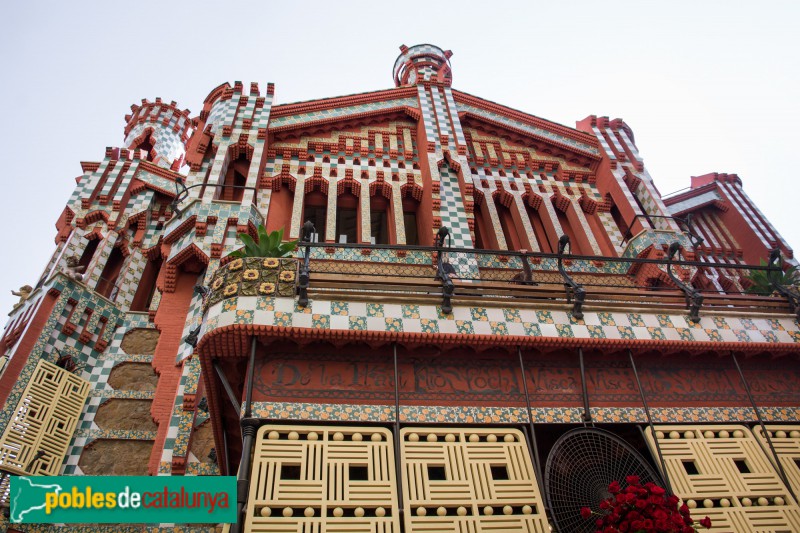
589,279
451,274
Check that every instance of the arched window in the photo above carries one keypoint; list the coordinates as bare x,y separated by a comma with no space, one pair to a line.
281,204
484,232
575,247
89,250
381,214
110,273
347,219
410,220
235,179
379,219
315,209
147,143
508,225
147,285
620,222
539,230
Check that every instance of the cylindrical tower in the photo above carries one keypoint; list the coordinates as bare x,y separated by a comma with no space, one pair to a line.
161,130
422,62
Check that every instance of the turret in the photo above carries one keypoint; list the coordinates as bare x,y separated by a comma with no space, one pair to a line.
160,130
422,62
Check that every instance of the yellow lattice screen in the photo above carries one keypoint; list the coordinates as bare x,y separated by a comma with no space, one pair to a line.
44,421
725,474
786,440
314,479
468,480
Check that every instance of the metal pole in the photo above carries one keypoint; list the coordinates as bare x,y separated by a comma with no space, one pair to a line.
763,427
397,461
587,415
249,426
250,375
227,387
532,447
650,422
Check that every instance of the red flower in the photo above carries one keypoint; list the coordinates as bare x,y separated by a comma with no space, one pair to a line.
637,508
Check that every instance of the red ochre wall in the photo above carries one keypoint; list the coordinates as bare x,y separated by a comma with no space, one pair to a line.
170,320
26,344
464,377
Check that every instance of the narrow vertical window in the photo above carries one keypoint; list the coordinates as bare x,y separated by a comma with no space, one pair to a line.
235,180
147,285
110,273
379,220
539,230
347,218
315,209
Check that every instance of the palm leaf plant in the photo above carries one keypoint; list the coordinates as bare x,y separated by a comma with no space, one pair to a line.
760,280
267,245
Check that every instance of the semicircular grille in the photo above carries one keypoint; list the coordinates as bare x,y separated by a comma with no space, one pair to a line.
581,465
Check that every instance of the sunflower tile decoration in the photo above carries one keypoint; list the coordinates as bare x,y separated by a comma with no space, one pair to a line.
254,276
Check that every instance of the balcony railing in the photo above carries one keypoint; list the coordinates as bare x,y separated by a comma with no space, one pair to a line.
450,275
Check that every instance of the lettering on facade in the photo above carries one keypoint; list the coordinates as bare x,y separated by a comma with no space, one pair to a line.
550,380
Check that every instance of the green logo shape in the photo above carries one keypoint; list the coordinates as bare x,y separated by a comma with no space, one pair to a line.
122,499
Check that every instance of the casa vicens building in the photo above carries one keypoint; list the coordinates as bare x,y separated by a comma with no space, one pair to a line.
488,314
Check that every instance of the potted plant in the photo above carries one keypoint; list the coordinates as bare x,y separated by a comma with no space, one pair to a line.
760,279
264,267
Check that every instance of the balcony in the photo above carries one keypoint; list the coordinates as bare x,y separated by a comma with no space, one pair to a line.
448,277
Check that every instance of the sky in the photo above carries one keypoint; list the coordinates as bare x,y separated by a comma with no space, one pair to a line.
706,86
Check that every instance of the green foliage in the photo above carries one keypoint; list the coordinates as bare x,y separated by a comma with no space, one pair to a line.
761,283
268,245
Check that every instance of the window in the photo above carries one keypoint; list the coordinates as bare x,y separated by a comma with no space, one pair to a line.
235,180
110,273
566,227
539,230
485,238
281,203
411,219
147,286
347,218
88,252
315,209
510,230
379,220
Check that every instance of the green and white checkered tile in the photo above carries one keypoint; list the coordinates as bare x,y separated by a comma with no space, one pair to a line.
427,117
451,105
442,117
454,217
194,318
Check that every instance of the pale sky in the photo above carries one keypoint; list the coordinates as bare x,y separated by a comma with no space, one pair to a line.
705,86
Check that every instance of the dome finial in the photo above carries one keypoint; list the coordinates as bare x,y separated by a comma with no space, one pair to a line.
422,62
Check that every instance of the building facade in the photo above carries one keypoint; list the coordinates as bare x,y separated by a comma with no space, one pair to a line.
473,282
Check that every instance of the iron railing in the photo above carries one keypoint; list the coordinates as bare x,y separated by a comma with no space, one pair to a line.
578,279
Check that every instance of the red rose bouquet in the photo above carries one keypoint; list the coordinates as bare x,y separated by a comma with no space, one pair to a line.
642,509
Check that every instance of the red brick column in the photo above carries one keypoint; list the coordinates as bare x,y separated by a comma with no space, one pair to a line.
26,344
170,320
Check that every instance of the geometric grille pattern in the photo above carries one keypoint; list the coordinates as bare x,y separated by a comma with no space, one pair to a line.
724,472
44,421
469,479
786,440
313,479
